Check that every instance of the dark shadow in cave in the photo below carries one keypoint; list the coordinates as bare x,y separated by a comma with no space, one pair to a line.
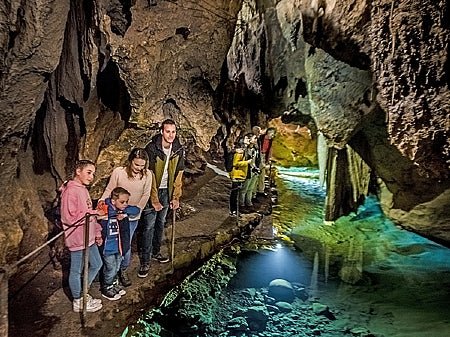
113,92
120,13
41,160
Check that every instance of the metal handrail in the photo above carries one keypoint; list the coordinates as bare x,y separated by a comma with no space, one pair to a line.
8,270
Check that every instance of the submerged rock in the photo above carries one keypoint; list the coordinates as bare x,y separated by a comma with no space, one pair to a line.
281,290
238,323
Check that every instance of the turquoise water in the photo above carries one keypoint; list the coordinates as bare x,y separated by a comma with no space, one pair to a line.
375,274
374,278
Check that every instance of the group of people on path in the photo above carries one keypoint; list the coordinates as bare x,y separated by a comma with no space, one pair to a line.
252,154
137,198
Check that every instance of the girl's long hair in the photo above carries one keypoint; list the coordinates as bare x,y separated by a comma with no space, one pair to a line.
79,164
138,153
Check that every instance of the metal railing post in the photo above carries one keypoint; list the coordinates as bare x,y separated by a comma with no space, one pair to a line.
85,267
4,277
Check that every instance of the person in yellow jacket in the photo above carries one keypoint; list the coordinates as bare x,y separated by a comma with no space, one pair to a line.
239,172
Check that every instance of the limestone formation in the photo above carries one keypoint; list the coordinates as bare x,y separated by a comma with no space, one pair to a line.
92,79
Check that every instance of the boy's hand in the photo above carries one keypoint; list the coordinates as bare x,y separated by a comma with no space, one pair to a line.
121,216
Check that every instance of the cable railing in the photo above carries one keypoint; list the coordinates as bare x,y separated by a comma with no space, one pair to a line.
7,271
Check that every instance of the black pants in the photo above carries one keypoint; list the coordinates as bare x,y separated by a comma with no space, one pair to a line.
234,195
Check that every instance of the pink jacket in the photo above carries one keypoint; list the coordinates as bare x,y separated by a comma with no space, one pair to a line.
75,203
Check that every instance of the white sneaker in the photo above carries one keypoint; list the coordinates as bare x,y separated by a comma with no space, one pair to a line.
95,300
92,305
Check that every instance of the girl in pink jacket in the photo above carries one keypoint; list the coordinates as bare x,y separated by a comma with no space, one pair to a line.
75,203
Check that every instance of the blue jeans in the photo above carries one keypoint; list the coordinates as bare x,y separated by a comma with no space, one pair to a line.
127,257
152,228
111,266
76,266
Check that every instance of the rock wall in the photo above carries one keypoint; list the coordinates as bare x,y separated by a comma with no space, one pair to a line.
373,75
91,79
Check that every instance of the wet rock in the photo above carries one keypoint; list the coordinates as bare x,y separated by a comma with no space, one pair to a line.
257,317
300,292
284,306
249,293
281,290
258,304
273,309
269,300
323,310
238,324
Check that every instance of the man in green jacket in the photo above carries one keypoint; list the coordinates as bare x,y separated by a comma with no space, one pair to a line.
166,162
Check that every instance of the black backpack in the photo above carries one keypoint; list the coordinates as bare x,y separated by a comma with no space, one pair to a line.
228,158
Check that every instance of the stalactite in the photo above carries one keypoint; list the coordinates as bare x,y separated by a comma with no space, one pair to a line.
347,178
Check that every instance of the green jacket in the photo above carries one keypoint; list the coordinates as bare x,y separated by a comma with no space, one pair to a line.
157,159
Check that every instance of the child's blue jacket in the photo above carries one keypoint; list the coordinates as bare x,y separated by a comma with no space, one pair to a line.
124,227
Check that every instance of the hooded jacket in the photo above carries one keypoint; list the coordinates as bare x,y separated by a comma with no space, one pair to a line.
240,166
157,160
75,203
123,234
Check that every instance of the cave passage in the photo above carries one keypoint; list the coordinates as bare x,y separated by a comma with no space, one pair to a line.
360,275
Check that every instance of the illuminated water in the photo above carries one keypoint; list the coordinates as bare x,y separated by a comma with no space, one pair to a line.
375,278
374,275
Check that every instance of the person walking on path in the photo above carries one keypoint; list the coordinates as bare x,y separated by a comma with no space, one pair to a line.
266,153
136,178
238,174
116,240
166,162
252,153
75,204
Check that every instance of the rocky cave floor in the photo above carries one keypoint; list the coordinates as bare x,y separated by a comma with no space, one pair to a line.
39,302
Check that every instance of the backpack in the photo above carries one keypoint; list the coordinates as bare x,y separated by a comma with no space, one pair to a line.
228,158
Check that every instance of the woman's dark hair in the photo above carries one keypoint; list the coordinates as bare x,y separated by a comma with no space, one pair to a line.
138,153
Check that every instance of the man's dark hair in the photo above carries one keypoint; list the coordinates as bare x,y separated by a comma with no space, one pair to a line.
168,121
271,129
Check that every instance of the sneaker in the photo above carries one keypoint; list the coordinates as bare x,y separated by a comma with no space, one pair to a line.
111,293
124,279
143,270
233,214
92,305
119,289
160,258
95,300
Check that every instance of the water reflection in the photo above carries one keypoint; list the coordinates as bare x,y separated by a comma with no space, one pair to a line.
360,276
393,281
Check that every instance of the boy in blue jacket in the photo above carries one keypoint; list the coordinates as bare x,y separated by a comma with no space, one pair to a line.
116,240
